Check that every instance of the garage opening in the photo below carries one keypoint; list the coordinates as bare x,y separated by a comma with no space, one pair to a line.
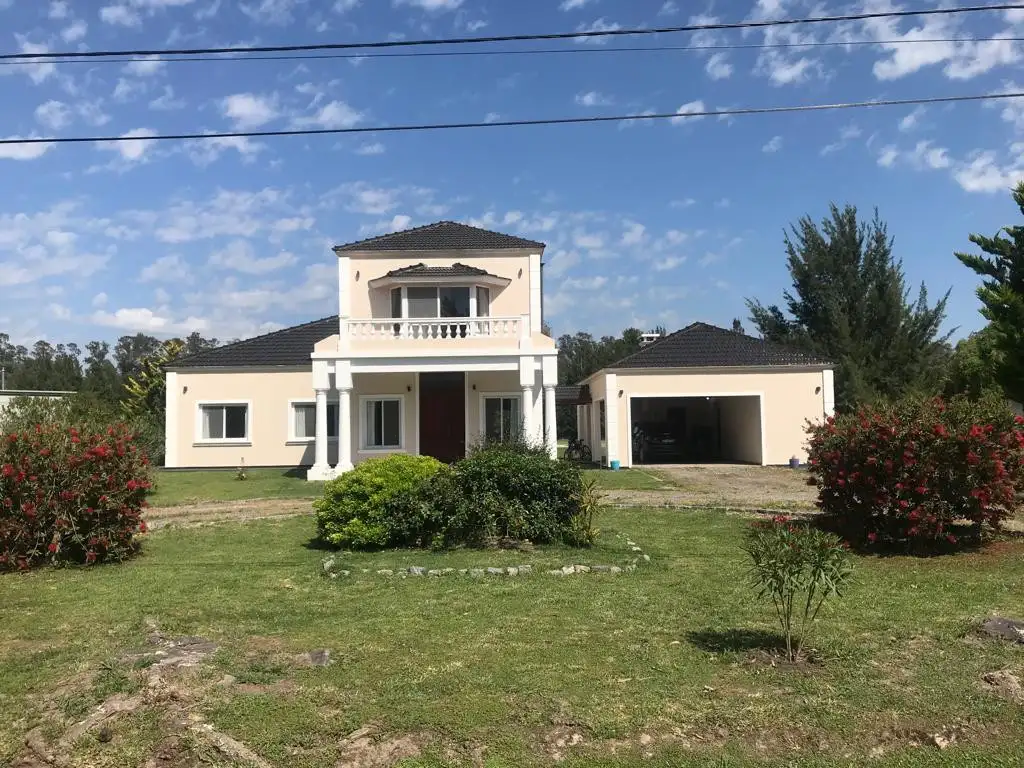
696,430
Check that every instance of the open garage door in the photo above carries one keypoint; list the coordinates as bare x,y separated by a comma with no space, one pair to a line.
696,430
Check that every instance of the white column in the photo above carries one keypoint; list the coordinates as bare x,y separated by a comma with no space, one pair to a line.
611,415
320,470
344,429
171,422
528,428
550,429
828,394
535,294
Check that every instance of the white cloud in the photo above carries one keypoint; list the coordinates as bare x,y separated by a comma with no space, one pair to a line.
601,25
162,295
147,321
984,173
689,108
240,256
773,145
249,110
635,234
53,114
888,156
134,145
202,152
718,66
344,6
593,283
226,214
167,102
847,134
923,157
58,311
120,15
911,121
100,299
686,202
572,5
669,8
593,99
23,151
278,12
363,198
492,117
147,66
126,89
588,240
376,148
475,25
335,114
37,73
74,31
1012,109
432,6
667,263
58,10
165,269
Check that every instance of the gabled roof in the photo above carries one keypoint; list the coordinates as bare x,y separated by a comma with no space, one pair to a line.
289,346
440,236
422,270
707,346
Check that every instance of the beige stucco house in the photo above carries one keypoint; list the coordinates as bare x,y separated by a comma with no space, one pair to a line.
437,344
704,394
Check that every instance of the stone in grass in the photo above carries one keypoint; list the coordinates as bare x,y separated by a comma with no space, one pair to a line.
636,549
495,571
416,570
329,564
600,568
512,571
385,572
463,571
582,569
525,569
447,571
476,573
615,570
433,573
568,569
631,568
1007,629
647,558
556,572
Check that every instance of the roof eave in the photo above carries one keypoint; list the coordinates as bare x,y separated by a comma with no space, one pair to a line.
764,368
395,280
369,253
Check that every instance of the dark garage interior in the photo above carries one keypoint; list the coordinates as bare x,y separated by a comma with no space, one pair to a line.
696,430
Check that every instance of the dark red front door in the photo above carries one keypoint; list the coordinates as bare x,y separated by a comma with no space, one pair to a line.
443,416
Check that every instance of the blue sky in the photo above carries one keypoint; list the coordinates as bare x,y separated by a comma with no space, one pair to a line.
646,223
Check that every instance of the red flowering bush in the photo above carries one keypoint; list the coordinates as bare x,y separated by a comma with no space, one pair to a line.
916,470
70,496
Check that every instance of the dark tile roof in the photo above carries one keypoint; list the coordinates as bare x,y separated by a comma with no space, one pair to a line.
705,346
440,236
572,394
289,346
455,270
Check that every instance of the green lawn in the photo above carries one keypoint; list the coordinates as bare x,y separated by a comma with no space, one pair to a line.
175,487
660,660
627,480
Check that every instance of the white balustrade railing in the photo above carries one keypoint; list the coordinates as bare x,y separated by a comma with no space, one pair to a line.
444,328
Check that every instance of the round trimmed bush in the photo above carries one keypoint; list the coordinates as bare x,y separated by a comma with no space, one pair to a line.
355,510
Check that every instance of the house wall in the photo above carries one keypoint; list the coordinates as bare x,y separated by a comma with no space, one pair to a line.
511,301
788,400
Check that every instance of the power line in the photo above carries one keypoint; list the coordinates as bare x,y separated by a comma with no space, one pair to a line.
24,57
520,123
531,51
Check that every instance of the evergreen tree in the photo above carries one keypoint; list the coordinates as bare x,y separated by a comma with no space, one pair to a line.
1002,294
849,304
737,326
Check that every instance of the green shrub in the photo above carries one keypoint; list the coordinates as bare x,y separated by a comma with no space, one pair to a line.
797,568
356,508
506,490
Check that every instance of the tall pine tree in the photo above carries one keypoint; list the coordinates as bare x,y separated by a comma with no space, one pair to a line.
1002,294
849,304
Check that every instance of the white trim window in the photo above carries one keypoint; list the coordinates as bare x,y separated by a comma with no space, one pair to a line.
224,422
382,422
501,416
302,421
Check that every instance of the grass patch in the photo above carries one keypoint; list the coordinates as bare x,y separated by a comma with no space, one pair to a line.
515,664
628,480
177,487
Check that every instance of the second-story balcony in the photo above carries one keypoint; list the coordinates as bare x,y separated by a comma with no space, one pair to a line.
502,331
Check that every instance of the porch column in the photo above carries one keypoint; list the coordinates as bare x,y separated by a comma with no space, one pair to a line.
344,429
550,429
528,428
320,470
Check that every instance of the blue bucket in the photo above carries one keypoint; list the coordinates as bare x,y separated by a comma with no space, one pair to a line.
615,465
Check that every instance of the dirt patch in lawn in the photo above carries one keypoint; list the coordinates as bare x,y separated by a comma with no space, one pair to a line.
724,485
207,513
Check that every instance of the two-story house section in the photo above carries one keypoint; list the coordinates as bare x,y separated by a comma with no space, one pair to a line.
438,344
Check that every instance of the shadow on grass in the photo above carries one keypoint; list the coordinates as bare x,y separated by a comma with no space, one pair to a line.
736,640
968,538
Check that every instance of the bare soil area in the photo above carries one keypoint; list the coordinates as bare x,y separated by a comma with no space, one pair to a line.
724,485
209,512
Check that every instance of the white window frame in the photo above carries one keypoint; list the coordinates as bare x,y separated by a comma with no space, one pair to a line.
472,287
364,447
202,404
290,428
485,396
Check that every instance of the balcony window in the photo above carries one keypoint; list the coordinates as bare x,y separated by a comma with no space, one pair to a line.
423,303
483,301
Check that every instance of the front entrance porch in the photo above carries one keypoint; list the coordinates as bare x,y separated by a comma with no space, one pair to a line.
440,408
